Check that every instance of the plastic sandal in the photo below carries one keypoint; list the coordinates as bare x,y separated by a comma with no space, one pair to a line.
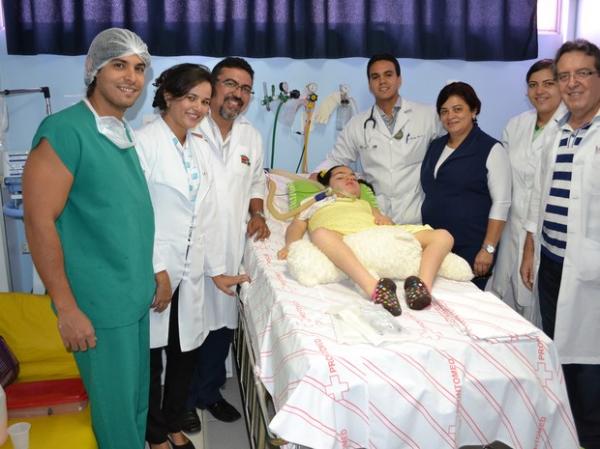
385,294
416,294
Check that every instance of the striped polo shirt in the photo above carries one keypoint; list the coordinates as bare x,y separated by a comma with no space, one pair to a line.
554,228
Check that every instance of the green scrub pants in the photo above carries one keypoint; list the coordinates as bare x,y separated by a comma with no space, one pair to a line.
116,375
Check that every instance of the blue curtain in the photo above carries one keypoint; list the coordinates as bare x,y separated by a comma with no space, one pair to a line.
426,29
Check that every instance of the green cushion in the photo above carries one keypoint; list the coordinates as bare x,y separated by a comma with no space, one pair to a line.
299,190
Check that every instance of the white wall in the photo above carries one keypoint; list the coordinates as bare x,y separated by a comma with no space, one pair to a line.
500,86
587,24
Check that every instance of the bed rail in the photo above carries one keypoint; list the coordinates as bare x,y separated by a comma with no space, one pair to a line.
258,405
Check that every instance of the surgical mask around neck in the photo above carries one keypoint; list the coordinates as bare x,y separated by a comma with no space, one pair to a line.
117,131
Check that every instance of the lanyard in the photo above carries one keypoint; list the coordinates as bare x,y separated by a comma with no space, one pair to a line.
190,164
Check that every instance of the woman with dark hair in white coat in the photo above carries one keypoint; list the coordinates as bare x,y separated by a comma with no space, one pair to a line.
187,246
523,137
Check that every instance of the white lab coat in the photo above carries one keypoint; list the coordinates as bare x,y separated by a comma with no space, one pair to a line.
392,165
177,219
239,177
577,330
524,157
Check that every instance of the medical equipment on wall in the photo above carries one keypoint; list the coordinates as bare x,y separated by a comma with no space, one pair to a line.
294,103
310,101
22,274
342,103
268,99
45,90
283,97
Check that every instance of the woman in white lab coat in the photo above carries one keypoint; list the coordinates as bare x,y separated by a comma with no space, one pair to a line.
188,242
523,138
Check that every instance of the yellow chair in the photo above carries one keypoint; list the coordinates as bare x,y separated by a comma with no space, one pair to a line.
28,325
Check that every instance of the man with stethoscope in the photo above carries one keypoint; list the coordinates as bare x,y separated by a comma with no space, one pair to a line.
390,140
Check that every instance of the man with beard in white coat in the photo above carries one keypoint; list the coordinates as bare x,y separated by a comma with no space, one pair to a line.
564,235
237,155
523,138
390,140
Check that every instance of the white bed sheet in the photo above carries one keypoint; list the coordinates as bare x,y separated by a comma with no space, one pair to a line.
467,370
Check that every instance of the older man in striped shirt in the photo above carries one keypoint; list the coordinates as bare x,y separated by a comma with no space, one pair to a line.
564,235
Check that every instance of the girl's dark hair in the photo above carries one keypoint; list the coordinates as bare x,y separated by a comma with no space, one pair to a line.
368,184
462,90
178,81
325,176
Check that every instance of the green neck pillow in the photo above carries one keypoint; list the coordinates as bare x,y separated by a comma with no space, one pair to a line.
299,190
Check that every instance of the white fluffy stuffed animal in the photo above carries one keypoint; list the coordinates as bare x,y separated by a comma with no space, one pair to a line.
386,251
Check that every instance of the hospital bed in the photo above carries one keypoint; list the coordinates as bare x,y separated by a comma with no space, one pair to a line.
322,368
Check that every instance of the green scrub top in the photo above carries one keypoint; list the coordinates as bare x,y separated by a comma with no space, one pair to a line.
107,225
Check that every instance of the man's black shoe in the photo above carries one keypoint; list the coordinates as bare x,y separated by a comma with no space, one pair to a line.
190,422
223,411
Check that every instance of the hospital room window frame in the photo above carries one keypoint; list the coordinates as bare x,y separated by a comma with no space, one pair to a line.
549,16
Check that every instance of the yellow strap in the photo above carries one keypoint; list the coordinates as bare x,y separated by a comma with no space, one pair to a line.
309,114
295,177
284,216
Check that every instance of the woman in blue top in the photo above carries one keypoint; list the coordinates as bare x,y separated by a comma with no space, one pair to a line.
466,179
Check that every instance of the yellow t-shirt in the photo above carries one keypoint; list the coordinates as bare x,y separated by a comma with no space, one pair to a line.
347,216
344,215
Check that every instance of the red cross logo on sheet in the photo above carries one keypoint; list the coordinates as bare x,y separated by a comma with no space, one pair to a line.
544,374
336,387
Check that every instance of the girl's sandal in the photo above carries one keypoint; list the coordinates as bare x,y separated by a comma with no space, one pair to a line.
416,293
385,294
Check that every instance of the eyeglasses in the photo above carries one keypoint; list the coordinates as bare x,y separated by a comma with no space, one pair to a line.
234,85
578,75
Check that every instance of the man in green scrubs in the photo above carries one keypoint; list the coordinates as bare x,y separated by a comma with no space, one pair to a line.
90,228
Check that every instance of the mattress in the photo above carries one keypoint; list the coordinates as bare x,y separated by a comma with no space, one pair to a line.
343,373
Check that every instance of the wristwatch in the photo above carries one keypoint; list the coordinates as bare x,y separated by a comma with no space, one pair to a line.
489,248
260,213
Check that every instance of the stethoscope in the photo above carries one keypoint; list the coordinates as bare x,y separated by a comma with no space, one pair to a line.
398,136
371,119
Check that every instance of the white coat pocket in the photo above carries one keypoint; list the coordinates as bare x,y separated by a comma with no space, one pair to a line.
592,173
413,151
592,223
588,261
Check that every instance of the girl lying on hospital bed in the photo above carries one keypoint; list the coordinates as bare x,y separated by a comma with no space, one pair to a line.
342,214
